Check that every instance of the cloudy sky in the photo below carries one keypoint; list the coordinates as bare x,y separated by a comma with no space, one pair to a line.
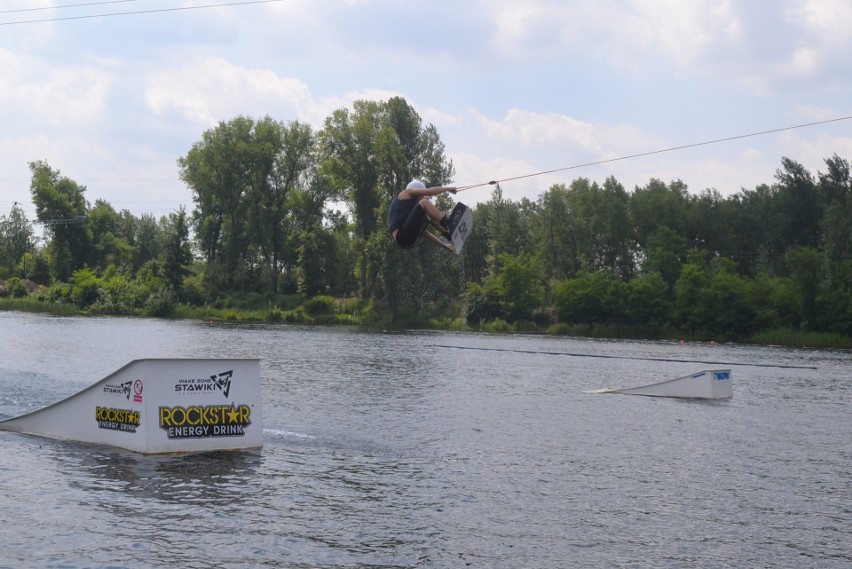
113,93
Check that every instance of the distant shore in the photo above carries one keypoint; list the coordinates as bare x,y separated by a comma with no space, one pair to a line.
326,311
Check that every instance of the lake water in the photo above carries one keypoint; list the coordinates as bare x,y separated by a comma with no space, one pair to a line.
437,449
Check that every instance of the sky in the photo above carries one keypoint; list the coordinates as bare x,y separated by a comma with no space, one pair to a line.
112,94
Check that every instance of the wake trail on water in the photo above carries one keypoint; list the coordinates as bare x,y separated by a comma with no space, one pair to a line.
287,434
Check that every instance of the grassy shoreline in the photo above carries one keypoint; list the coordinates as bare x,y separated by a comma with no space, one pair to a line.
324,311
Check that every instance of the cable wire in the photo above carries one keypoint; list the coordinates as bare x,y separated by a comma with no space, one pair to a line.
137,12
85,4
652,152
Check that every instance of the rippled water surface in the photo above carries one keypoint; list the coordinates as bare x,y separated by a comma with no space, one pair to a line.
429,449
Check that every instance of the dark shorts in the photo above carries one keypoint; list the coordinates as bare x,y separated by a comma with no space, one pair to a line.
410,232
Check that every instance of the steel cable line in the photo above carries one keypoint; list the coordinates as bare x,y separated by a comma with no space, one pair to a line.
82,5
137,12
614,357
652,152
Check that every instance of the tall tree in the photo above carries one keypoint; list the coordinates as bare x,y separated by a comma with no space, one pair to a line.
658,204
553,234
177,251
108,246
612,227
507,234
753,222
286,165
62,208
17,238
218,171
348,142
799,206
146,235
835,186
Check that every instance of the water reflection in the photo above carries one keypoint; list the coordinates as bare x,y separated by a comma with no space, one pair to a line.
205,478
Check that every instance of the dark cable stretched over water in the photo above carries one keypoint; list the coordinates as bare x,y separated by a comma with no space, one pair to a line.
620,357
661,151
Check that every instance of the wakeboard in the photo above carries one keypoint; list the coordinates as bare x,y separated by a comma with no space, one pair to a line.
460,226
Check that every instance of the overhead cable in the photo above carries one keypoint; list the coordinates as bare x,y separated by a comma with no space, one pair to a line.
661,151
137,12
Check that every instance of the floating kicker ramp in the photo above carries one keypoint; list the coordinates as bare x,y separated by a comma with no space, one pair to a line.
156,406
707,384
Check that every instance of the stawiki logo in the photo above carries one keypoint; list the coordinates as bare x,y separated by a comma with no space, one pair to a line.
221,381
119,388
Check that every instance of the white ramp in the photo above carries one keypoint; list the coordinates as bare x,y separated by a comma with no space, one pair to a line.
160,406
707,384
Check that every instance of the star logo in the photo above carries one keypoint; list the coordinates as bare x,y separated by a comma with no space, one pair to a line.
233,415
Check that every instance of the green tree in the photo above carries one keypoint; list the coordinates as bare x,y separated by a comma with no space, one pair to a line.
799,206
755,221
597,229
835,186
665,255
505,226
613,231
658,204
706,225
690,305
145,234
646,301
591,298
35,267
553,234
289,166
62,209
805,265
318,261
218,170
108,247
522,291
177,250
17,238
343,255
730,312
475,254
348,140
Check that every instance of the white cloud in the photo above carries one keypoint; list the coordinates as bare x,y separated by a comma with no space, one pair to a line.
828,21
823,41
58,95
685,31
628,35
212,89
209,90
553,134
537,129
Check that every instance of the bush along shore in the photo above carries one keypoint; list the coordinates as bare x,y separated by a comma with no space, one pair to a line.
327,311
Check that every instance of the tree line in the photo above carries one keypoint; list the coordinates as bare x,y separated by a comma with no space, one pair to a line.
281,209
